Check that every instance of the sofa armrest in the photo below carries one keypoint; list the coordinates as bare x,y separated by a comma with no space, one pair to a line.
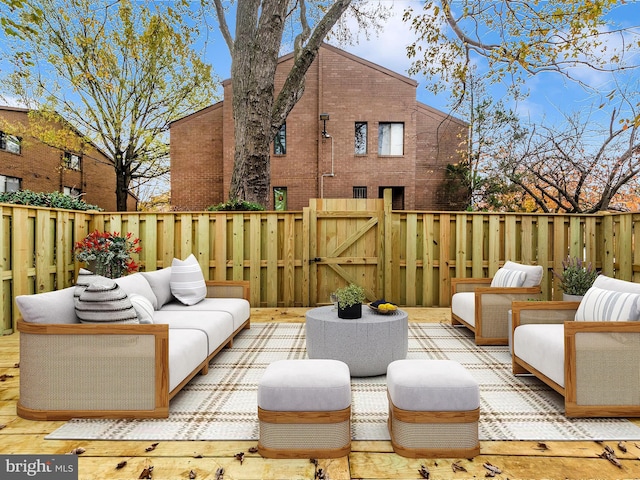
492,305
524,312
602,369
228,289
103,371
468,284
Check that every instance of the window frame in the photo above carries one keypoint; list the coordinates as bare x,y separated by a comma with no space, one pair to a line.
392,143
280,140
7,139
358,191
364,142
67,157
3,183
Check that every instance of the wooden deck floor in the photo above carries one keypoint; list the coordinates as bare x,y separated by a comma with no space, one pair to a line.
368,460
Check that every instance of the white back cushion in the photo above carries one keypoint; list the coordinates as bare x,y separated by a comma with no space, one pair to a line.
533,272
508,278
608,283
600,305
143,307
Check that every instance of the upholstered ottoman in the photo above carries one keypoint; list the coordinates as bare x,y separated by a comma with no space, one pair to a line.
434,408
304,409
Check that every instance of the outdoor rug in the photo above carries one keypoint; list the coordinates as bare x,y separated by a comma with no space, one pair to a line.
223,404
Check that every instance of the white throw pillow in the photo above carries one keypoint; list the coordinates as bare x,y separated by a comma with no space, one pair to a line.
143,307
508,278
105,302
533,273
187,281
600,305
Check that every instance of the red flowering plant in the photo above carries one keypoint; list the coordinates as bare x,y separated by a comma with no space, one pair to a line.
108,254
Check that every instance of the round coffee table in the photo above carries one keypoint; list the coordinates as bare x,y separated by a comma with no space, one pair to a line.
367,345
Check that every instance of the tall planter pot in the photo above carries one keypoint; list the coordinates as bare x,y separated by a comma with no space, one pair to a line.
351,312
572,298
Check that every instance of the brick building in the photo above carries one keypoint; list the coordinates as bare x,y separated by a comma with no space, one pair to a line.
26,163
357,129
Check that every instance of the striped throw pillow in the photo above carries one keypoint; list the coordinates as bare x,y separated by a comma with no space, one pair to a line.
85,278
187,282
508,278
105,302
600,305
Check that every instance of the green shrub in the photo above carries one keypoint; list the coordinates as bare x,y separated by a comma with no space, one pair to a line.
236,205
43,199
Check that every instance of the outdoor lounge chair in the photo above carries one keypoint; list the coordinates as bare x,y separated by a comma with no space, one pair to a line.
587,351
482,304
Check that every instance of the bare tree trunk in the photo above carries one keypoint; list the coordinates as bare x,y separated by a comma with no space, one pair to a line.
257,114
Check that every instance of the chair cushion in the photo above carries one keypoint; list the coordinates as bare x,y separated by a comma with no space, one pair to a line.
463,305
600,305
505,277
138,284
238,308
105,302
49,307
432,386
308,385
608,283
534,272
542,347
143,307
159,283
187,281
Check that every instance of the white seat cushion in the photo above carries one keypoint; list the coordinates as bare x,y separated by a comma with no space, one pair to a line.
217,326
542,347
238,308
187,350
310,385
463,305
432,386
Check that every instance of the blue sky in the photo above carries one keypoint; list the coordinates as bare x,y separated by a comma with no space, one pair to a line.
550,94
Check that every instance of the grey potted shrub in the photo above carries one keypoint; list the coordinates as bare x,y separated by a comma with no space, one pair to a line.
576,278
350,300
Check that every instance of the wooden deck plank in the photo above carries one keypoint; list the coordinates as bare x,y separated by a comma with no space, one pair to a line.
368,459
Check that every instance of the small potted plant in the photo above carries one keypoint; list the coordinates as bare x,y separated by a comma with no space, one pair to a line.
350,300
576,278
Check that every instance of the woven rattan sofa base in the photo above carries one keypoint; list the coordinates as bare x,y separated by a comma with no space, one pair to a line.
448,434
304,434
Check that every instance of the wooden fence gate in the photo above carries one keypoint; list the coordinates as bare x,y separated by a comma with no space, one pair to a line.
346,244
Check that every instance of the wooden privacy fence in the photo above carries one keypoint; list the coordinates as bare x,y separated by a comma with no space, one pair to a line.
298,258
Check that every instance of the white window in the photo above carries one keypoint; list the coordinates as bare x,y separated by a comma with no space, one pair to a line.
10,143
72,161
72,192
9,184
390,138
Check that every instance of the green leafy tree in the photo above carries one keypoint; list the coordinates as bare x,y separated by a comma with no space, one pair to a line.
119,72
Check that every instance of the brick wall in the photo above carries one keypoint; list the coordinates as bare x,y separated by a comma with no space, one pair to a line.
40,166
196,153
350,90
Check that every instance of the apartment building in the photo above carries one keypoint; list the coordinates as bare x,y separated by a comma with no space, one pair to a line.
357,130
78,169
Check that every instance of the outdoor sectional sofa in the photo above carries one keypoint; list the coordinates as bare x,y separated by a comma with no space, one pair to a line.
108,370
588,351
